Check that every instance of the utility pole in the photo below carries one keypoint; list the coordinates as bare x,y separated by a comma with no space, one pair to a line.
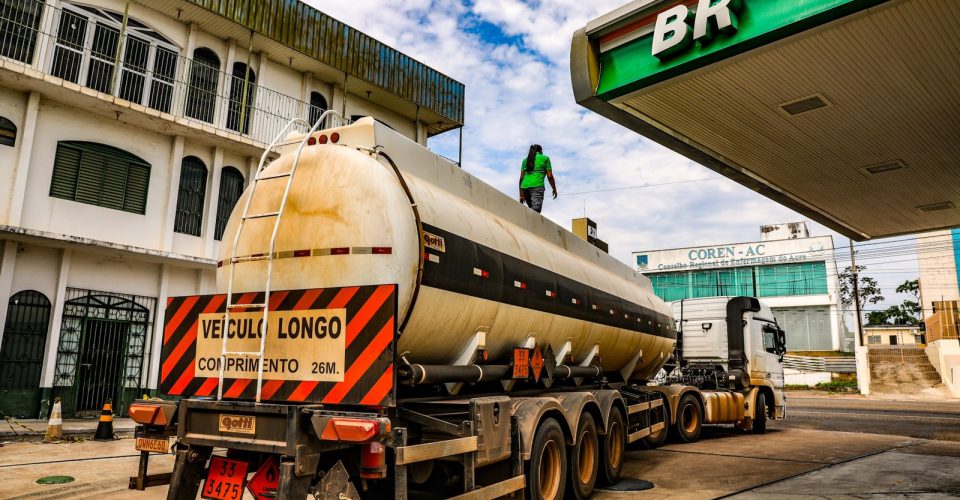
855,277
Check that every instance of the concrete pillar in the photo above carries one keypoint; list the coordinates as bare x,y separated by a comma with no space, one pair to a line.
210,206
7,266
27,131
152,373
223,88
863,369
173,191
180,88
56,320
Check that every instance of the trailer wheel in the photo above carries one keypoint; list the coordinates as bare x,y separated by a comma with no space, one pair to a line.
760,414
612,446
656,439
689,421
547,469
584,459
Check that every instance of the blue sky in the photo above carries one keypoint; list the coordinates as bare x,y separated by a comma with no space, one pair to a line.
513,57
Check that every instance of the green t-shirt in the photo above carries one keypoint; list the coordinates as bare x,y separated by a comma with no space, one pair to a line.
534,179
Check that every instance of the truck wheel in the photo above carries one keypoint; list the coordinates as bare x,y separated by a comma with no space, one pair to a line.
612,446
656,439
547,469
689,418
760,414
584,459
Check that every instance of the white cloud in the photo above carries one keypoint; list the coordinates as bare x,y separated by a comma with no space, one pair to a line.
513,57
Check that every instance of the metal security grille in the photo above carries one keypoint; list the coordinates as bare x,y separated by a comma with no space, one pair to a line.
100,175
241,90
231,187
202,90
24,338
193,189
101,351
19,24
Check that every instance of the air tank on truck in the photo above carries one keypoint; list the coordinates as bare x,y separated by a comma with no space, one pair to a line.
387,322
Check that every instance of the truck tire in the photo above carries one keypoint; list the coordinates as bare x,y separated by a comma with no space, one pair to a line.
760,415
547,468
613,444
657,439
689,420
584,459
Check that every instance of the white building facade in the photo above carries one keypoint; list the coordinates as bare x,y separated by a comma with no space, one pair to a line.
792,272
128,131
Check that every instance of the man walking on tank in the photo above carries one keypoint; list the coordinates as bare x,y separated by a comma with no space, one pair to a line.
534,168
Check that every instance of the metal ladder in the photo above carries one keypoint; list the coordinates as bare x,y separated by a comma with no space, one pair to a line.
269,257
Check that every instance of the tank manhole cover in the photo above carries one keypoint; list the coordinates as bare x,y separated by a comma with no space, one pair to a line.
630,485
55,480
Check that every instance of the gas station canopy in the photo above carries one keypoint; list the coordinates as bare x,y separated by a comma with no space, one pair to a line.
847,111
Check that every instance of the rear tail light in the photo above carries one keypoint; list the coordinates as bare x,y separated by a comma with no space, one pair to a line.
160,414
335,137
322,139
311,141
354,430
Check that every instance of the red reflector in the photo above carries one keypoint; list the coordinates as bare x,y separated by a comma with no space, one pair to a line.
340,251
311,141
485,274
382,250
301,253
323,139
523,286
335,137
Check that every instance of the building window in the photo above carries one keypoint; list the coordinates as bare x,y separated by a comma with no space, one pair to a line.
21,356
873,339
231,187
100,175
242,84
19,25
318,104
807,278
202,89
8,132
88,47
193,189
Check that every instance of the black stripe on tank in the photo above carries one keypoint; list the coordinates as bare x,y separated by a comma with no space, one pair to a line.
499,275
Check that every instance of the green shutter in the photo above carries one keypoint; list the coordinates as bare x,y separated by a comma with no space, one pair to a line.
66,167
100,175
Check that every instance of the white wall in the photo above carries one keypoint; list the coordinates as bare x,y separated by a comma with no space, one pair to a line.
36,269
938,269
12,106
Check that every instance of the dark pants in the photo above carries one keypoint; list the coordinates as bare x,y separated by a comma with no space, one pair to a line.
533,197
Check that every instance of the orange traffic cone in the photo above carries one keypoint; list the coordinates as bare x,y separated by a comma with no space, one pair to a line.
55,426
105,426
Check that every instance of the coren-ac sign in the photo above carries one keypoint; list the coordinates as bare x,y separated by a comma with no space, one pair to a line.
673,33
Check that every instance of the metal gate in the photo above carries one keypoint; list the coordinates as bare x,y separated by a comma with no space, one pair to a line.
101,360
101,350
21,355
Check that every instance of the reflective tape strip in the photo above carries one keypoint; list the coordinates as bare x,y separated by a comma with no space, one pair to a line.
433,258
315,252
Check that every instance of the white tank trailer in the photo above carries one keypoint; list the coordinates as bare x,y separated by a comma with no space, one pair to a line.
507,354
476,270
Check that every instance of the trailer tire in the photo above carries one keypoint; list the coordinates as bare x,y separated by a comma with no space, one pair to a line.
547,468
613,444
657,439
760,415
584,459
689,418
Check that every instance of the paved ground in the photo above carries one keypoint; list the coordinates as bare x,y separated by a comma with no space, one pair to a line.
787,462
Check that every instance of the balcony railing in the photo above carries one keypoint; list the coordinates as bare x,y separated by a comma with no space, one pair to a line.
95,52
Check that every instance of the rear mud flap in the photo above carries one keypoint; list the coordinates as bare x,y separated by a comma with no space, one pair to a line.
336,485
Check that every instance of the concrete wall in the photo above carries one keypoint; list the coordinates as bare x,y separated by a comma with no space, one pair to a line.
945,357
938,269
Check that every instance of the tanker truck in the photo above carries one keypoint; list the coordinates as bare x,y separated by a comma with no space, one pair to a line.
389,324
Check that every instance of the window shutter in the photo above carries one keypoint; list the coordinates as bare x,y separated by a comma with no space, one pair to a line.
100,175
66,168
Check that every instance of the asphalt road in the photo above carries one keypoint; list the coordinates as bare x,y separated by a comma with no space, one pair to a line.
919,419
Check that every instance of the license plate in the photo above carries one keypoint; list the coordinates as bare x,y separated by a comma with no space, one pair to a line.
225,479
156,445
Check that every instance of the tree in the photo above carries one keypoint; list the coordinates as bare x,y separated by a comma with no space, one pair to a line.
869,289
912,307
907,313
